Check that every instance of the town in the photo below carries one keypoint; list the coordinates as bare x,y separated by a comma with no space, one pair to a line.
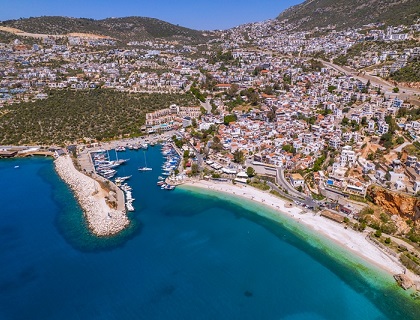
298,113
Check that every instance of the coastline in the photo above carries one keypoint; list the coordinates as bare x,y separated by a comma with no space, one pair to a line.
349,240
101,219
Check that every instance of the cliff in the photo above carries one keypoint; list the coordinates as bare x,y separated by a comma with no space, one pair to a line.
396,203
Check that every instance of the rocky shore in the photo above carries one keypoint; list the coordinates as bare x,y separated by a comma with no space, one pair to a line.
102,220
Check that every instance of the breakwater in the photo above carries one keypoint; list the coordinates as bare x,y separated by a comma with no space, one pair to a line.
102,220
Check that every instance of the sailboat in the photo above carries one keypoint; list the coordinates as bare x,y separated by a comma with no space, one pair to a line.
145,168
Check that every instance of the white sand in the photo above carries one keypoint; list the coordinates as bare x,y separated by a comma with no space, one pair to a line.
102,220
353,241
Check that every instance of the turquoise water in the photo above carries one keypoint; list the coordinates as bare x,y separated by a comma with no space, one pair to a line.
188,255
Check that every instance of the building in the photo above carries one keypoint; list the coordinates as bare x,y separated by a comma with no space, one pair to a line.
347,157
383,128
416,186
296,180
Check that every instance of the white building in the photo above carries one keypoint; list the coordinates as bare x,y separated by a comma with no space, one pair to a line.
383,127
296,180
347,157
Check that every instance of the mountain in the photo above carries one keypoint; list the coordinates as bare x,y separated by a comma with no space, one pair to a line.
354,13
123,29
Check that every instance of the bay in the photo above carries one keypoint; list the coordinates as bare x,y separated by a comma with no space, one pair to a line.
188,254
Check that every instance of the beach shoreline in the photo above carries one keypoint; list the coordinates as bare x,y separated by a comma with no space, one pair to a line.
102,220
351,241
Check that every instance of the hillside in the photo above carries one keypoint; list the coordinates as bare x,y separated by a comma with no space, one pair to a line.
123,29
67,115
355,13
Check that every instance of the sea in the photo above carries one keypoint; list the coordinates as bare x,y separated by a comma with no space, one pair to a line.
188,254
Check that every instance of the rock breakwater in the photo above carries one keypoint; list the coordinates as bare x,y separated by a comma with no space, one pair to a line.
102,220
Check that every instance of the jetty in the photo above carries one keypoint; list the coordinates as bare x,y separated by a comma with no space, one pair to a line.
100,206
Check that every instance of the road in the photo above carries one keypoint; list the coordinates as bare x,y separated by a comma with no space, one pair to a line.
206,105
292,192
404,93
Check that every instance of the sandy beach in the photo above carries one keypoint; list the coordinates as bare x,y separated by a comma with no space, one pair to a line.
102,220
351,240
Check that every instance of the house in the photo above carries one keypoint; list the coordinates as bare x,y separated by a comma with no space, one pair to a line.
296,180
416,186
399,185
383,127
186,122
395,176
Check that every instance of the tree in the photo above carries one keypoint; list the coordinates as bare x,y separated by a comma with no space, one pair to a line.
378,233
231,92
345,121
396,90
388,240
229,118
238,156
400,140
288,148
331,89
250,171
194,169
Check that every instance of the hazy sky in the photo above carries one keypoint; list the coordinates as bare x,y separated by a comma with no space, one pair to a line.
196,14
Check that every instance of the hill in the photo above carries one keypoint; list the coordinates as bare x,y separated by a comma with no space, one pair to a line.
355,13
68,115
123,29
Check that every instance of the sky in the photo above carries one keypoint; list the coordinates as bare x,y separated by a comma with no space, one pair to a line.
195,14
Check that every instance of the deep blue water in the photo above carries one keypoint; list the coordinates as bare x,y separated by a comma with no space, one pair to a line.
188,255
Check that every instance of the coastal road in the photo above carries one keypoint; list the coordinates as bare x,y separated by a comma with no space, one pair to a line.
292,192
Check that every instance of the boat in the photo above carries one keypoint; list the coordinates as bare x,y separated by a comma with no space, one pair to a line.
129,206
122,179
161,178
16,167
160,183
145,168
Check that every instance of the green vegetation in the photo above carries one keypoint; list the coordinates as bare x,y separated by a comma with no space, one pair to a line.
221,56
250,171
318,163
411,261
67,116
409,73
229,118
197,93
340,60
238,156
123,29
411,114
288,148
341,13
262,185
